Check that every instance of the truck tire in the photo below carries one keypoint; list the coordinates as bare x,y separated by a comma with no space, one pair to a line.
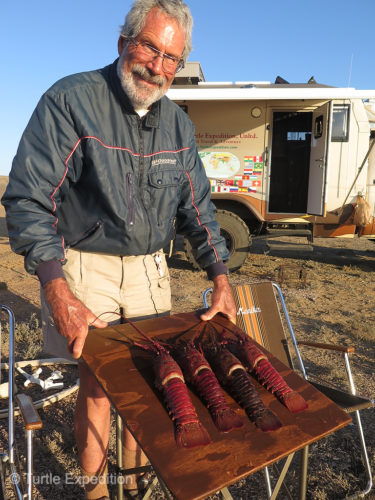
237,238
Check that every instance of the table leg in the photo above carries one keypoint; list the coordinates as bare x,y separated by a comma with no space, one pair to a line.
303,473
225,494
267,480
150,488
120,462
282,476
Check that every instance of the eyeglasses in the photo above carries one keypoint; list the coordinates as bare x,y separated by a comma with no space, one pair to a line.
170,64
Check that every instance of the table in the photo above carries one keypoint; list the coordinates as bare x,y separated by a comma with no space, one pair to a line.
126,376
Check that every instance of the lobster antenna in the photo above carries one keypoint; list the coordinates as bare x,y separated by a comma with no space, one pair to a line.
207,327
181,334
133,325
213,332
219,324
200,328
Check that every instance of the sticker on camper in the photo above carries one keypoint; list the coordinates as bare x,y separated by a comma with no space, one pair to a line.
220,165
234,186
253,165
232,189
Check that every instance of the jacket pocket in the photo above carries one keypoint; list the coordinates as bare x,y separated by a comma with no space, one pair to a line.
165,178
85,235
130,197
165,189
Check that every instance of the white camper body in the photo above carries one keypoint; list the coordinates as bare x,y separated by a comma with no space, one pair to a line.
283,156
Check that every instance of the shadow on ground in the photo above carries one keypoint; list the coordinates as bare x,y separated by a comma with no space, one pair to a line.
364,259
3,228
24,308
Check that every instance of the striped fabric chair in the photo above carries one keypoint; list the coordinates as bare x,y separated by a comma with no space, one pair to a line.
262,314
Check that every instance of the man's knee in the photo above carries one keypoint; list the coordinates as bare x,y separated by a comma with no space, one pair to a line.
89,387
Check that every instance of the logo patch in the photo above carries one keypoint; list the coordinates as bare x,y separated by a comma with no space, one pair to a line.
252,310
163,161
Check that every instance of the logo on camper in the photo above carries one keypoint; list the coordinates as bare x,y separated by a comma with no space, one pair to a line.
251,310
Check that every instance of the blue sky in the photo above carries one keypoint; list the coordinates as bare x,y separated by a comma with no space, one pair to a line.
42,41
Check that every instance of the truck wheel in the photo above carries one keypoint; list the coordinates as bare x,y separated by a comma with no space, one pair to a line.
237,238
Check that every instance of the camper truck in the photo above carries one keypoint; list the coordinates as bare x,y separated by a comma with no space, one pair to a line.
283,159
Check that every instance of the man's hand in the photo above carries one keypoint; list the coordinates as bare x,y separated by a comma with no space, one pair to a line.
222,300
70,315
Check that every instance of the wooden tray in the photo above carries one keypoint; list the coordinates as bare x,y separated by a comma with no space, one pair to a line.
126,376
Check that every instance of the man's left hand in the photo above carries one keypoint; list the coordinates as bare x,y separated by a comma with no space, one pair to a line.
222,300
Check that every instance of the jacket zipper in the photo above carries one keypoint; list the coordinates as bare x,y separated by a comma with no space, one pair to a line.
141,175
87,234
130,197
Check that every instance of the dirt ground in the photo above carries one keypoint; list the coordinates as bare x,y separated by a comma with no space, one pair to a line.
334,305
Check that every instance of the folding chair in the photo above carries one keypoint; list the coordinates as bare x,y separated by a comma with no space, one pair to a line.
261,309
31,422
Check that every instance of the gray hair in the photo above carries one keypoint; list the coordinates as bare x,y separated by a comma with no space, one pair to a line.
176,9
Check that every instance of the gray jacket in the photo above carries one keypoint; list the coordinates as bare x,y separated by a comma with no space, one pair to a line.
92,175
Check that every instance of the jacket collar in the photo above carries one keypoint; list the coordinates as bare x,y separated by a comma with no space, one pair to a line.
152,118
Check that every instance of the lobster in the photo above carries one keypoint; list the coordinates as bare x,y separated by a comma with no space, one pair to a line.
233,374
189,431
266,374
199,374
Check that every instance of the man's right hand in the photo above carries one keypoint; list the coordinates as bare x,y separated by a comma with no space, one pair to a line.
70,315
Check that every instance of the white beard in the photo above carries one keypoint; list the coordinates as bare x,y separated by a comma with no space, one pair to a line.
140,96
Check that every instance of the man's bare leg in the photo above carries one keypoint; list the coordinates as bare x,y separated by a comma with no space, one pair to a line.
133,457
92,426
92,422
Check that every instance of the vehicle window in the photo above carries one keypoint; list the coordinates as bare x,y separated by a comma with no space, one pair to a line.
340,123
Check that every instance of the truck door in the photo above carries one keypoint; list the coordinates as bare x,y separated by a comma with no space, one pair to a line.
290,162
318,160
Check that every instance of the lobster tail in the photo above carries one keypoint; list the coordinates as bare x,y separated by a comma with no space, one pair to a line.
190,435
258,363
246,395
266,420
199,374
274,382
294,402
234,375
227,419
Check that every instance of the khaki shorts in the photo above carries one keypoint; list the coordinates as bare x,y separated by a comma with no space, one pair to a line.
138,286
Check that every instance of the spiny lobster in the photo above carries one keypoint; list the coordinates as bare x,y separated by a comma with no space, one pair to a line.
267,375
233,374
189,431
200,375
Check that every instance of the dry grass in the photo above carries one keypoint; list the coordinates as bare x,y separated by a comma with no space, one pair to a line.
28,339
335,306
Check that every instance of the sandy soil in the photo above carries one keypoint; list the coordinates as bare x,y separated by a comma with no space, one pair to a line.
334,305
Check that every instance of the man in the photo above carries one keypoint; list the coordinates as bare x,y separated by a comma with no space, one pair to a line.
105,169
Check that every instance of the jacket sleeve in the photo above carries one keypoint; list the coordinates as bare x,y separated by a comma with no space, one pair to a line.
196,216
39,180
